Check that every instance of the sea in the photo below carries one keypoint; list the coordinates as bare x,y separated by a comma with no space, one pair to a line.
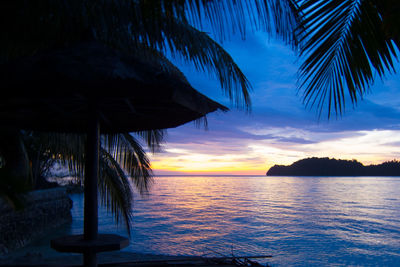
299,221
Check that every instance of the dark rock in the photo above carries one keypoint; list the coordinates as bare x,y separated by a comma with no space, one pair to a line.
44,210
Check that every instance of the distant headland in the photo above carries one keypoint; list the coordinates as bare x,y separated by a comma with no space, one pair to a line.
334,167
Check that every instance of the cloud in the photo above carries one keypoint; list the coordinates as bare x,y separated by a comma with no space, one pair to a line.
392,144
280,129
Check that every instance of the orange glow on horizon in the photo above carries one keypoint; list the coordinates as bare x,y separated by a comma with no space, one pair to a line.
206,170
209,172
171,165
256,158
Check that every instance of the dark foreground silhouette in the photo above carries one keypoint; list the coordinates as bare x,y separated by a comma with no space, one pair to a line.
334,167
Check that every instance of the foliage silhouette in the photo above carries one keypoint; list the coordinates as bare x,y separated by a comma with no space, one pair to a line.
334,167
345,45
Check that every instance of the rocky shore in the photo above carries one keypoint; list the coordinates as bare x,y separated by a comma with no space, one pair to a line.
44,210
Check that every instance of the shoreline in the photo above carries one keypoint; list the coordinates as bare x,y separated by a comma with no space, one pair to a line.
37,258
124,258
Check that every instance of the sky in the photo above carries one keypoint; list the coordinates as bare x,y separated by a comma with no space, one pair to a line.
280,129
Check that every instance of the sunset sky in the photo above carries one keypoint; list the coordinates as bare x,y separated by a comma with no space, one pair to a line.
279,129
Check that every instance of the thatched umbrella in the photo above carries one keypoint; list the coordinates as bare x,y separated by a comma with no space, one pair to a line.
89,87
56,91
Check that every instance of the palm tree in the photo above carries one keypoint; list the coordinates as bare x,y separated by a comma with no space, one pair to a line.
345,43
121,157
147,28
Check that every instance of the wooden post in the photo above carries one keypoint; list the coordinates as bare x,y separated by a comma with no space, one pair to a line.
90,229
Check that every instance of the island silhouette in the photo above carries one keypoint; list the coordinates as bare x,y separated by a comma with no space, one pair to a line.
334,167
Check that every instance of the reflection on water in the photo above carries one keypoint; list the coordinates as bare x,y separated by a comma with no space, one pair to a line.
298,220
309,220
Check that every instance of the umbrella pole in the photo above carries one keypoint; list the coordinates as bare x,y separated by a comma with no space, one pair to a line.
92,242
90,231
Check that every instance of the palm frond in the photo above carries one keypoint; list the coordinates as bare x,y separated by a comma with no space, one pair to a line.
224,17
174,34
207,55
115,190
272,16
130,155
344,43
153,138
67,149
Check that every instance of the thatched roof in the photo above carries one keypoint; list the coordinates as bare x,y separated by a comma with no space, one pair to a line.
52,91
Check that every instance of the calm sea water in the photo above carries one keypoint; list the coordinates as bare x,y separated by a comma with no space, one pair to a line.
312,221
